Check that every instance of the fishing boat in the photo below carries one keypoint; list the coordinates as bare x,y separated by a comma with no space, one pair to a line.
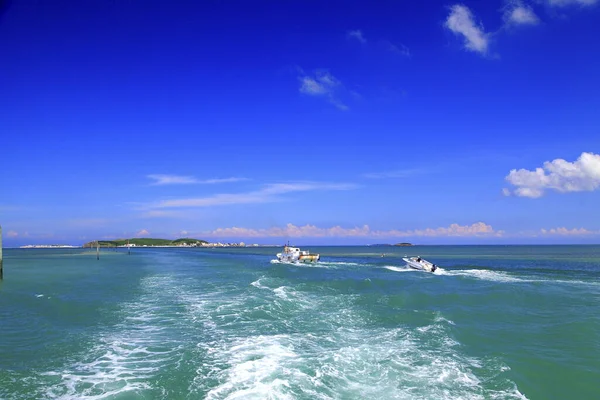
420,264
295,255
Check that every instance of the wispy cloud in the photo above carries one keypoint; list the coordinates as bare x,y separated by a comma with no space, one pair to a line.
164,214
401,173
399,49
479,229
142,232
517,13
462,22
267,194
564,3
568,232
323,84
12,234
161,179
356,35
559,175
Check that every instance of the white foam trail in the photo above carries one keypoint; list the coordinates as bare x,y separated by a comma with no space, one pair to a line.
353,264
39,295
484,274
258,285
257,369
400,269
317,264
344,358
501,276
125,358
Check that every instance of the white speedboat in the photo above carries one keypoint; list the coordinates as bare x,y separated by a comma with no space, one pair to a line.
420,264
295,255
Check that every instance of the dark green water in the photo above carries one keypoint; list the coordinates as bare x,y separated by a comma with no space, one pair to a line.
495,322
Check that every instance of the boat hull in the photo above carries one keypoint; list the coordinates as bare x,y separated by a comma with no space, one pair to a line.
312,258
420,265
295,255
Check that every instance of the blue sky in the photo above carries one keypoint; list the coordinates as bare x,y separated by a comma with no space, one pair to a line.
344,122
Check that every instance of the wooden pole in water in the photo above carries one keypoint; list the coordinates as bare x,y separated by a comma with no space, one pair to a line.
97,250
128,248
1,271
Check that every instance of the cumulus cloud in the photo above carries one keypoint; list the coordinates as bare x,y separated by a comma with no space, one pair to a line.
478,229
559,175
267,194
517,13
161,179
142,232
323,84
356,35
461,22
568,232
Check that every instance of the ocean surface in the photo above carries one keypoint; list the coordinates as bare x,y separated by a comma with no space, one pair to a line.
494,322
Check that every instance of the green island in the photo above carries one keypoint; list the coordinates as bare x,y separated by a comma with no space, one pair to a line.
148,242
403,244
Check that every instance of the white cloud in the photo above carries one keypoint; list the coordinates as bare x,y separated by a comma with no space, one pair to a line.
161,179
172,179
563,3
222,180
291,230
267,194
142,232
357,35
12,234
312,87
401,173
476,229
559,175
461,22
323,84
516,13
568,232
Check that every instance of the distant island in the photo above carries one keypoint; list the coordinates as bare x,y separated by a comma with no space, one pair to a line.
386,244
150,242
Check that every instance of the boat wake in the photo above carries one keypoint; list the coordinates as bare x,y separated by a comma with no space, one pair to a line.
483,274
507,277
400,269
318,264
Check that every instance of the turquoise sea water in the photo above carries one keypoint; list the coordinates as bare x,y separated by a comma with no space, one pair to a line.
495,322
